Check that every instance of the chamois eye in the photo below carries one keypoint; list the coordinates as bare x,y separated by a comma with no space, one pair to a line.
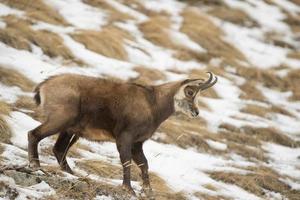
190,93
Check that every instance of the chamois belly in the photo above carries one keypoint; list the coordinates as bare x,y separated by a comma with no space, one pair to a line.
97,134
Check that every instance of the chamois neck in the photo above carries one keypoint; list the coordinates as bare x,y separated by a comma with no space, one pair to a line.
165,100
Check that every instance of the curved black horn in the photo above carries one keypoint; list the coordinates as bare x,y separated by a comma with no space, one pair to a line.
209,82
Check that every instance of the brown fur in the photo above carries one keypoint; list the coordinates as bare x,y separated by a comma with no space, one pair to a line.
101,110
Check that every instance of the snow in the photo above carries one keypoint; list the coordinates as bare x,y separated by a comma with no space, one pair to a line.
125,9
261,12
284,159
80,14
20,125
5,10
184,170
217,145
10,93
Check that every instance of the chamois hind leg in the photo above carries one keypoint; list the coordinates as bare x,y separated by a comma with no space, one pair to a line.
63,144
56,122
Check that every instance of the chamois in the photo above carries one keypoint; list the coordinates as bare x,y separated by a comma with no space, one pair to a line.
100,110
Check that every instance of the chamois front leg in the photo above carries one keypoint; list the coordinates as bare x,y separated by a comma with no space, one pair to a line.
124,144
139,158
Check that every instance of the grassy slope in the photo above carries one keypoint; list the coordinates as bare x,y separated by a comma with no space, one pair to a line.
202,27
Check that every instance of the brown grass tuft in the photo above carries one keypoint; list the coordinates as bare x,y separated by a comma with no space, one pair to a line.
200,29
239,138
293,81
114,14
232,15
249,153
12,77
250,92
108,170
256,110
210,197
50,43
5,132
270,135
261,178
265,111
264,134
156,31
148,76
38,10
108,42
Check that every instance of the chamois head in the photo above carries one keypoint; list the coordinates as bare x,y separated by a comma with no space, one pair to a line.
185,100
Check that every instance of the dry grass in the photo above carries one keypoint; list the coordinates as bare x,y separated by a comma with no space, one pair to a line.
50,43
5,132
239,138
156,30
262,111
266,77
260,179
294,54
232,15
265,134
108,42
250,92
293,81
37,9
12,77
108,170
185,133
246,152
200,29
210,197
148,75
270,135
114,14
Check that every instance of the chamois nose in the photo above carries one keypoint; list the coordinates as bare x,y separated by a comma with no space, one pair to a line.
195,113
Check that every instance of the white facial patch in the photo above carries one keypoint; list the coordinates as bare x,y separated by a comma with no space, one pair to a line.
181,103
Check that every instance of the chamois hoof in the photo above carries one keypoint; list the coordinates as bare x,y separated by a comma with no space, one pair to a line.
129,190
67,169
34,164
148,192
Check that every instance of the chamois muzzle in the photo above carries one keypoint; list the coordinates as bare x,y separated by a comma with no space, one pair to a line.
210,82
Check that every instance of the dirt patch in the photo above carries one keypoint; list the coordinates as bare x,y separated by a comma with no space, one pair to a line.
108,42
203,31
12,77
260,179
114,14
50,43
38,10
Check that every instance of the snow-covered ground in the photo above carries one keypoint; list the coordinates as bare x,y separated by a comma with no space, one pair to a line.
185,170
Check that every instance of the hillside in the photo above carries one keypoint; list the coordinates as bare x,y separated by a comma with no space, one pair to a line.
244,145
